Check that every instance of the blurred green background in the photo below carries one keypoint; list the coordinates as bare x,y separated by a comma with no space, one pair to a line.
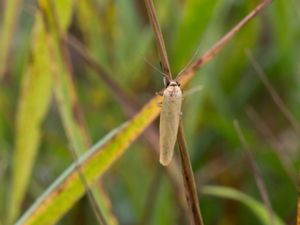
118,35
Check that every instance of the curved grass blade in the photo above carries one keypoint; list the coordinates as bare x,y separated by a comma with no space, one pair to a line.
33,106
68,189
255,206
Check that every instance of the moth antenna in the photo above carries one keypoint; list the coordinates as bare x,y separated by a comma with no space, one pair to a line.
165,76
161,66
193,90
189,63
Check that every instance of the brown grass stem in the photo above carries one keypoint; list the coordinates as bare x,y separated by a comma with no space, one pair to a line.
129,106
189,179
189,72
98,213
188,176
159,40
77,112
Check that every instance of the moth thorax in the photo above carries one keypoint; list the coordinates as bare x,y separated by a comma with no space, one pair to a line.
173,90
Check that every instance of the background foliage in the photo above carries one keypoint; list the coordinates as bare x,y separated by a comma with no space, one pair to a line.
46,108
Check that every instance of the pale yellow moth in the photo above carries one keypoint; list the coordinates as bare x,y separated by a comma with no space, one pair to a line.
169,121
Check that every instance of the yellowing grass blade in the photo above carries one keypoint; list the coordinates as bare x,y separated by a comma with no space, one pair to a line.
33,105
68,189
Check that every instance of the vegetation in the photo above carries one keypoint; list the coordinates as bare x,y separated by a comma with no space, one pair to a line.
77,95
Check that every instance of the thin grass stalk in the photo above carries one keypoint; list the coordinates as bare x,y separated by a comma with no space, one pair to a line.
189,179
159,39
97,211
272,140
274,94
255,171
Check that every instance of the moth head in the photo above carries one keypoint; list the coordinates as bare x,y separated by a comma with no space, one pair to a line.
173,83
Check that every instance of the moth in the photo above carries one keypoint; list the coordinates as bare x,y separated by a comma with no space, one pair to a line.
169,121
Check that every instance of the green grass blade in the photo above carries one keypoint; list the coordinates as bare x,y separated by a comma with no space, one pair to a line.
256,207
33,105
67,189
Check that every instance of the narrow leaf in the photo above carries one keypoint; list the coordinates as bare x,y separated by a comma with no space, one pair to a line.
67,189
32,107
255,206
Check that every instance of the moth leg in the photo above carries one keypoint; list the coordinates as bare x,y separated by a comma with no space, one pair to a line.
160,93
159,104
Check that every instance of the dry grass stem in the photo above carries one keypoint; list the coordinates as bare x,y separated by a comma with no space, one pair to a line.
159,39
189,179
255,171
274,94
272,140
97,211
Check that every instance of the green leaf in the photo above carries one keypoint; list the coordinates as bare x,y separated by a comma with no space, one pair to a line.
68,189
32,108
255,206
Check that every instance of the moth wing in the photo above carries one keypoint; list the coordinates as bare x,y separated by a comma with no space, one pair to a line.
169,122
